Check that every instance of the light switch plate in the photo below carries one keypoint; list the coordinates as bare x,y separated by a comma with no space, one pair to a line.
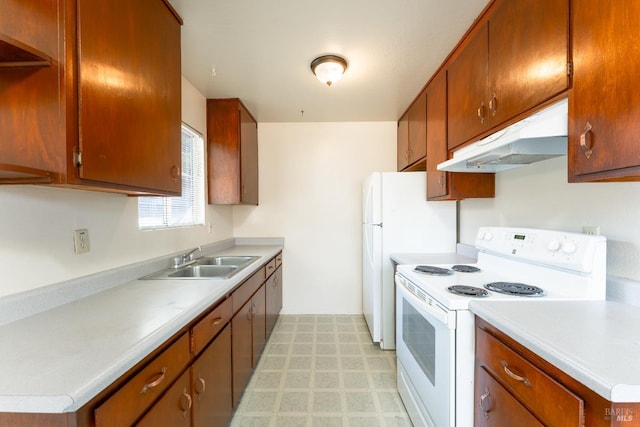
81,241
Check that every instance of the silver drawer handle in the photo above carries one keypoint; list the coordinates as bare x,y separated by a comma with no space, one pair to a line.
486,402
516,377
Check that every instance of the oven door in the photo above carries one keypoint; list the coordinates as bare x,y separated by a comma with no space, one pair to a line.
425,347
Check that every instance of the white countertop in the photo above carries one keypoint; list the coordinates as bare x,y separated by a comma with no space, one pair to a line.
595,342
57,360
435,258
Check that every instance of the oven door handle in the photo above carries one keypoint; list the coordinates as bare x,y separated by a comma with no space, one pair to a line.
432,308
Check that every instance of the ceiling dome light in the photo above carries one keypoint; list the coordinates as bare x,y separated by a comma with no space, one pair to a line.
329,68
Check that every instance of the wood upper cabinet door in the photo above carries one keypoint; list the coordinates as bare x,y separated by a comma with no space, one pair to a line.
515,60
412,136
232,141
130,94
211,383
448,185
436,136
418,129
403,142
105,113
248,158
604,105
467,110
528,55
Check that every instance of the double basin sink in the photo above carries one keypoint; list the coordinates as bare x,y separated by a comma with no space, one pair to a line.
207,267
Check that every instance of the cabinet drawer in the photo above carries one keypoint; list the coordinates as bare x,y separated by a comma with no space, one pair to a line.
208,327
241,295
137,394
279,260
552,403
270,268
497,407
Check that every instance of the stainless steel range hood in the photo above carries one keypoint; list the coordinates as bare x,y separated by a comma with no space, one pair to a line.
540,136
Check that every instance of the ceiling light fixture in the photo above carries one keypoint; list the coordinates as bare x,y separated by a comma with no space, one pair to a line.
329,68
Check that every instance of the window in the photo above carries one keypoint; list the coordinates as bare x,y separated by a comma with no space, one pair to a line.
188,210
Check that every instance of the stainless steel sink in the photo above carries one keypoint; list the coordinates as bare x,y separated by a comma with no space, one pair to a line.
206,268
205,271
226,260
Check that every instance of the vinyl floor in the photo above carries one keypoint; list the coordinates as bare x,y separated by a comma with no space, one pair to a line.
322,371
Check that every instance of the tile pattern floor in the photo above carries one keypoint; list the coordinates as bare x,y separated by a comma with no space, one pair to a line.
322,371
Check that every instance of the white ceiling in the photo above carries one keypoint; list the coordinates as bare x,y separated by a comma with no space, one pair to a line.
261,51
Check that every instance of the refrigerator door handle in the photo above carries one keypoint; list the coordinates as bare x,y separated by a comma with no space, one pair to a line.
377,225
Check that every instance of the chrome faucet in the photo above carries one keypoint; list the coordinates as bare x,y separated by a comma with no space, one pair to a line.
185,259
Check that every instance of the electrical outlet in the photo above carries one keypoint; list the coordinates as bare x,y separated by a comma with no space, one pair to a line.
592,230
81,241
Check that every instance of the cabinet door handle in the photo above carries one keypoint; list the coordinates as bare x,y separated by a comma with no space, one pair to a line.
215,322
185,403
481,112
200,386
493,105
155,382
486,402
175,172
583,141
516,377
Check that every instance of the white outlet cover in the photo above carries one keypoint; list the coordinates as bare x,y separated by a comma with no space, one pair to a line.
81,241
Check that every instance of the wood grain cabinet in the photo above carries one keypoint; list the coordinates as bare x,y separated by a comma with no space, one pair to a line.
513,61
104,113
515,386
448,185
412,136
604,105
273,289
249,338
232,146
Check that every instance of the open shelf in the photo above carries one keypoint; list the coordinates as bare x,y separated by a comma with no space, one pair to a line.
14,53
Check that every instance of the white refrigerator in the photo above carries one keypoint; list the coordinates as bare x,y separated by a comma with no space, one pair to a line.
397,219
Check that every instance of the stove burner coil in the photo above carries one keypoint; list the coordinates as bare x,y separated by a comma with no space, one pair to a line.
433,271
465,268
469,291
517,289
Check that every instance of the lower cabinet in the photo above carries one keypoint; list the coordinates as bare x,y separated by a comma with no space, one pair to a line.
211,383
515,386
174,408
497,407
197,377
273,289
248,341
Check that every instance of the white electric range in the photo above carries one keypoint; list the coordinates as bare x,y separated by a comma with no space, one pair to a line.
435,329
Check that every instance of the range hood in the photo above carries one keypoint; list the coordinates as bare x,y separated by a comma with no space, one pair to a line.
540,136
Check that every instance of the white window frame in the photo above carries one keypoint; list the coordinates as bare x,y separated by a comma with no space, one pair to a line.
158,213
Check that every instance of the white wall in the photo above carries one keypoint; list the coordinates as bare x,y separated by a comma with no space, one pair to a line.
539,196
310,194
36,224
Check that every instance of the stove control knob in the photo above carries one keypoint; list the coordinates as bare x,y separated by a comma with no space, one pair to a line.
488,235
569,247
553,246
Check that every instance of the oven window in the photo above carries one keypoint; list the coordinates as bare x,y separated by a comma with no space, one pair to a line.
420,337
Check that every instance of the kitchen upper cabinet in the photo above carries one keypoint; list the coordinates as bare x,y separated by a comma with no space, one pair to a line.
412,136
604,105
105,113
512,62
447,185
232,144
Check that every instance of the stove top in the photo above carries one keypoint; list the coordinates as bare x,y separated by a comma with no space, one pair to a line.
549,265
